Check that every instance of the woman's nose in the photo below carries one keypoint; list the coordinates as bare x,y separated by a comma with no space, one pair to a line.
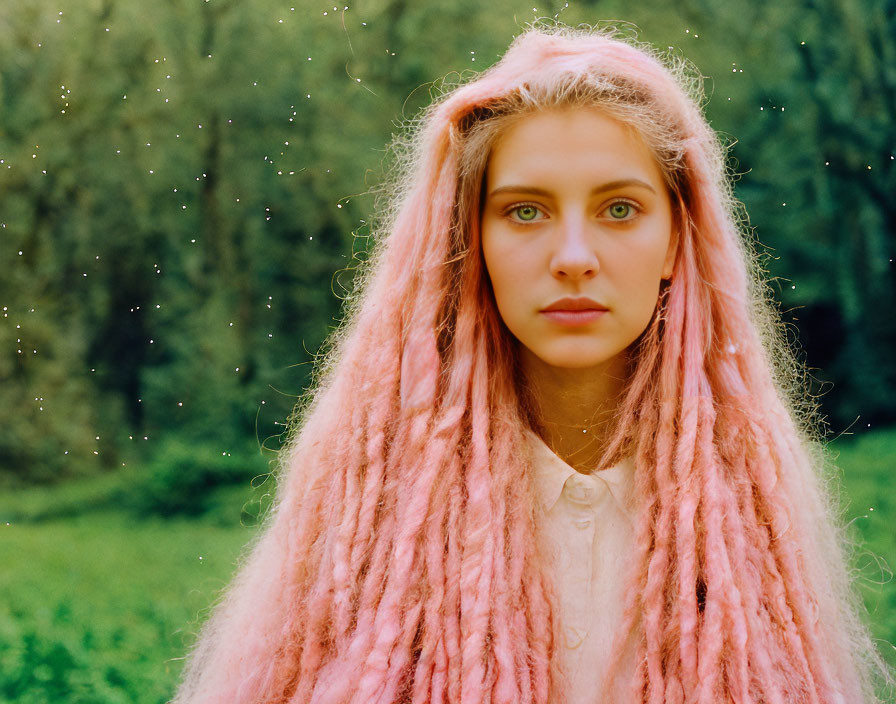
574,256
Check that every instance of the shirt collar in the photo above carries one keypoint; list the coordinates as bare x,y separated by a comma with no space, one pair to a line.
550,474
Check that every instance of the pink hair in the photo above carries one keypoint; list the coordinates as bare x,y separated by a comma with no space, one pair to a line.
399,563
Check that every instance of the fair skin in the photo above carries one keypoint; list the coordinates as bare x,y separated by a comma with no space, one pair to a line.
575,207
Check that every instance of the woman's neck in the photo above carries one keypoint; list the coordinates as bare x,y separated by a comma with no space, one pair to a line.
575,407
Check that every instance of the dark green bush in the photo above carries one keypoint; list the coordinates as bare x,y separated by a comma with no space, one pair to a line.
185,478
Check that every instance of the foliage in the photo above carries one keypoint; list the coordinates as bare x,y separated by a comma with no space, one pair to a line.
100,609
182,194
181,478
867,464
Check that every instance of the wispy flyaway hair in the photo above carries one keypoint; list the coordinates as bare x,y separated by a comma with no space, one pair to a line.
400,561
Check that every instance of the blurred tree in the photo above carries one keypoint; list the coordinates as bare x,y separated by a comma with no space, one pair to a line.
817,147
190,185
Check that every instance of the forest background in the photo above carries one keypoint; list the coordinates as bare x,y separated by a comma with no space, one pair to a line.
185,192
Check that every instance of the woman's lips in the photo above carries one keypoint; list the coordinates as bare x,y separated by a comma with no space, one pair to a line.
574,317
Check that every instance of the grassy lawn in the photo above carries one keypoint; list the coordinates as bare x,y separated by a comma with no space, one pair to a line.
868,464
98,606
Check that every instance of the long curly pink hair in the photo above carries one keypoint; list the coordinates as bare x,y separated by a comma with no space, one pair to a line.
399,563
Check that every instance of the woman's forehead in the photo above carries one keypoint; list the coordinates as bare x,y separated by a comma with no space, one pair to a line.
569,145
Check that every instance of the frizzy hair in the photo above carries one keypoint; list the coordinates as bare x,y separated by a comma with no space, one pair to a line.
399,563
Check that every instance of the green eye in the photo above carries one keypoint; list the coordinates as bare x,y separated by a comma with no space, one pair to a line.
620,210
526,213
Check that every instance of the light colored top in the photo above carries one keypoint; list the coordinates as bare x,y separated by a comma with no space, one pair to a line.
586,529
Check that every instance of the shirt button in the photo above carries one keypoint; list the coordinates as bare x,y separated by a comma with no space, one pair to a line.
581,490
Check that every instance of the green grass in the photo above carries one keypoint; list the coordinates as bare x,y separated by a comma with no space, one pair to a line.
869,468
98,606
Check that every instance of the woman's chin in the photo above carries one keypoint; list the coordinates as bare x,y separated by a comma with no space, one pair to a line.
574,358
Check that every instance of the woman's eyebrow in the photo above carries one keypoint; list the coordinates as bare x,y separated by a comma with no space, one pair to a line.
610,186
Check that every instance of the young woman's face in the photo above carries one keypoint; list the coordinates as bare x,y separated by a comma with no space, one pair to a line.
576,233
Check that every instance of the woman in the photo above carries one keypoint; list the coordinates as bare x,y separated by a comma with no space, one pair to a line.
560,329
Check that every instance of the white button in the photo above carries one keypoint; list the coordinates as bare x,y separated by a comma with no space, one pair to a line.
581,489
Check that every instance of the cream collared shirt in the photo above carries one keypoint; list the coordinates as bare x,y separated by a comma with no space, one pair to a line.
586,527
